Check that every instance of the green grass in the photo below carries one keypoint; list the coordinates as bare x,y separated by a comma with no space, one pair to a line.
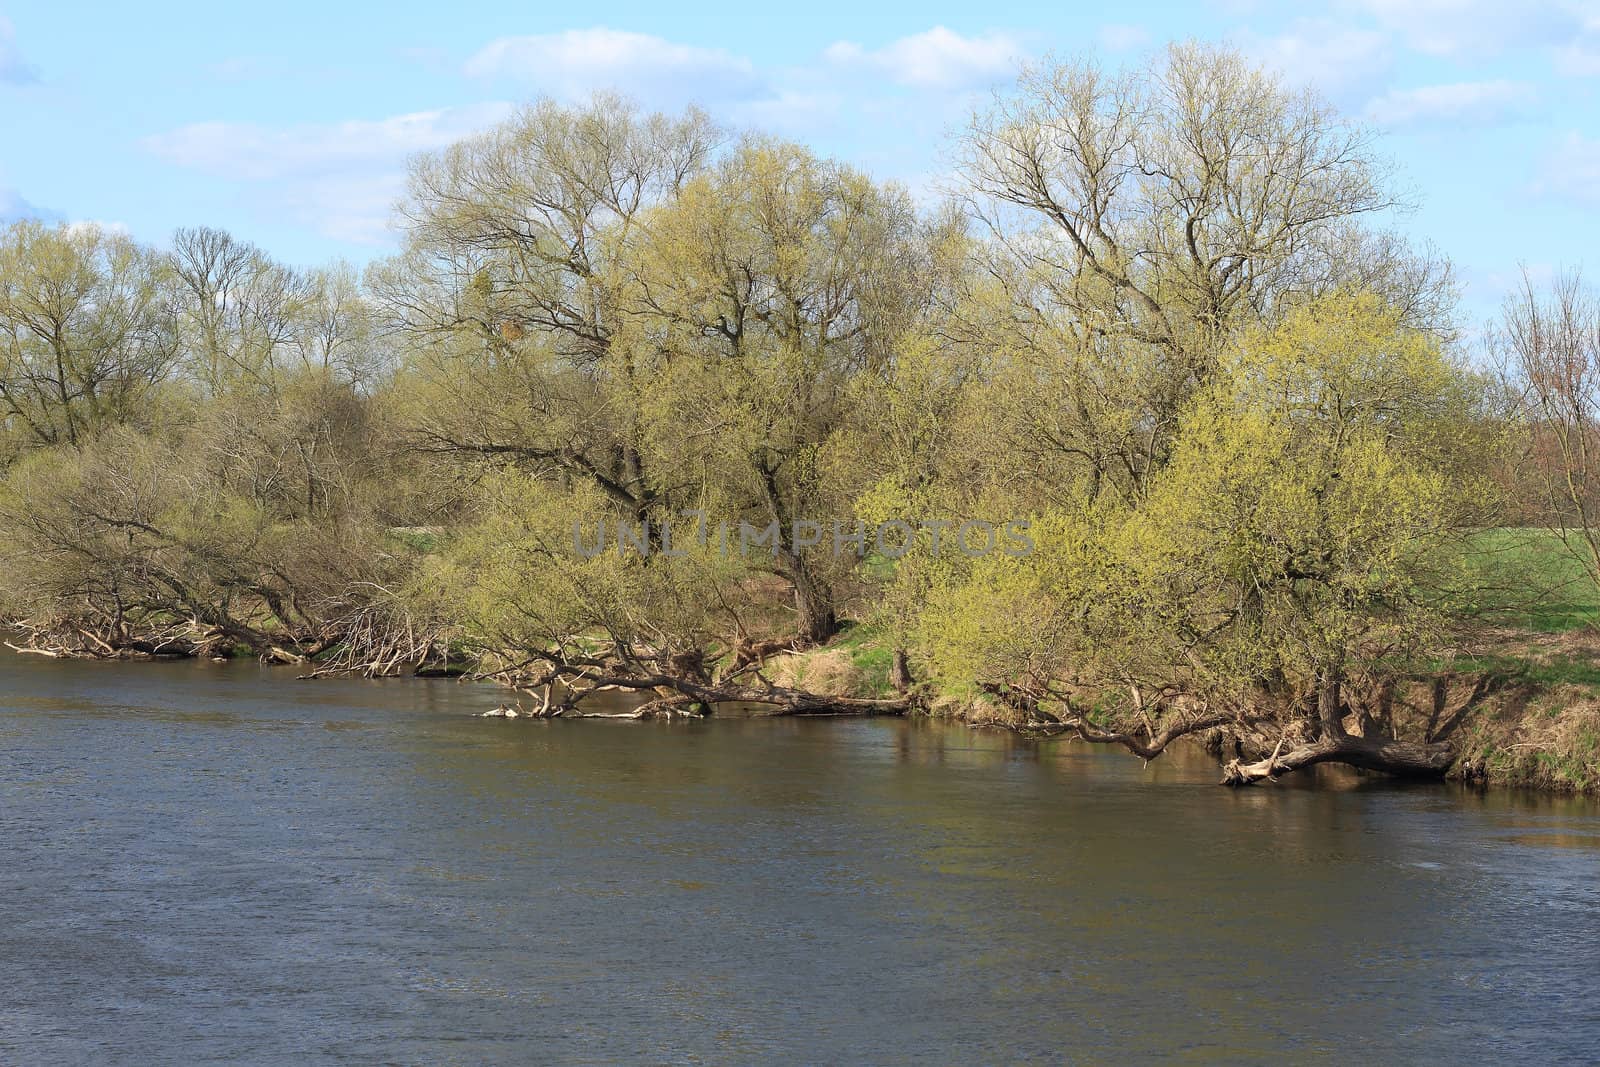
422,539
1532,580
1559,670
867,646
1574,766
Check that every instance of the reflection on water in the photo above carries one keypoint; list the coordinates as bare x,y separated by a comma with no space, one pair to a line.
212,862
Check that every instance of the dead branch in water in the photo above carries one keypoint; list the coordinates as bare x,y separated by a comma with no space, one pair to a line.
1409,759
1311,728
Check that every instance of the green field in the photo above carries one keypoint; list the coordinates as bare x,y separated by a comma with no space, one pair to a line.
1532,580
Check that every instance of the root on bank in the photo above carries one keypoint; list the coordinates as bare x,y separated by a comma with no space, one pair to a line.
1268,738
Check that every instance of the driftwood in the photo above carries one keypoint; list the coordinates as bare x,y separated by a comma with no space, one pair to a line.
679,694
60,639
680,681
378,639
52,653
751,654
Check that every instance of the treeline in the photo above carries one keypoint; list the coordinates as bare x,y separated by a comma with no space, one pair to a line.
1162,324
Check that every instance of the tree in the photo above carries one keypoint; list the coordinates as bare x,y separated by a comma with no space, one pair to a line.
242,318
272,534
1553,340
235,309
545,617
509,276
1304,534
757,301
84,334
1140,218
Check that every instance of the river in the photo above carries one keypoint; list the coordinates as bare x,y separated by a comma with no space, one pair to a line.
215,863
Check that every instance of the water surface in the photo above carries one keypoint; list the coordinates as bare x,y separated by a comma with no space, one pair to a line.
207,863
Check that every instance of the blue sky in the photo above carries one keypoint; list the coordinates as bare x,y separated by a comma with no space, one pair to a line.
289,123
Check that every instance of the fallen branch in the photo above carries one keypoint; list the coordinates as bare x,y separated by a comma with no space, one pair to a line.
1409,759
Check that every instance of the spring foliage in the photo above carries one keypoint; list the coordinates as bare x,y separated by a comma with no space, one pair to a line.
1160,325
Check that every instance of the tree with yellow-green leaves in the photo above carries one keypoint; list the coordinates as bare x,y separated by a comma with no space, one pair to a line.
85,334
1162,340
504,299
194,457
759,303
1137,219
752,311
1305,532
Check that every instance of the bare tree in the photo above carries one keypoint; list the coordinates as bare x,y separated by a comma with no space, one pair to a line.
237,311
1553,341
1138,218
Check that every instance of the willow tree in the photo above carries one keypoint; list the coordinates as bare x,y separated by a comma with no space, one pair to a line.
273,534
758,302
570,625
85,334
505,293
1301,543
1139,218
270,531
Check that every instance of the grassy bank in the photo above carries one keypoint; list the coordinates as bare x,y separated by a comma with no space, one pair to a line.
1518,695
1538,723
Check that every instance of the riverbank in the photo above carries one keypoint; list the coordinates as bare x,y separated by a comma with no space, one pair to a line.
1538,726
1521,708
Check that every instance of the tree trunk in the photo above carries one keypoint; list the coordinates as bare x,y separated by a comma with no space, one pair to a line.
1409,759
1330,705
819,621
900,672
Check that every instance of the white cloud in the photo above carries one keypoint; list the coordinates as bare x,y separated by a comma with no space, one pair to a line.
342,178
253,152
1579,59
1121,37
577,62
339,178
13,69
357,208
799,112
77,226
1457,27
1498,281
14,207
1580,56
1334,58
936,59
1572,170
1461,103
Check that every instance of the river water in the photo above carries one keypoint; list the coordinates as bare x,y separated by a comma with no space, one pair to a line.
214,863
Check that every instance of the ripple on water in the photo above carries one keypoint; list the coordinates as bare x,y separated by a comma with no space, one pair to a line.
218,865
